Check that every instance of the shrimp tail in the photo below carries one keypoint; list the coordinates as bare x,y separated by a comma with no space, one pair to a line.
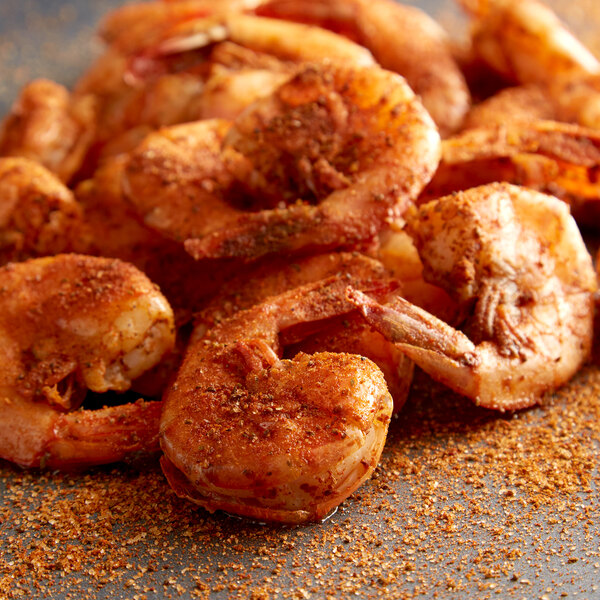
440,350
111,434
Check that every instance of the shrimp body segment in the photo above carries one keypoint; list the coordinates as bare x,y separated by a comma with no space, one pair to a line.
38,214
271,439
557,158
348,333
515,261
344,150
48,125
69,324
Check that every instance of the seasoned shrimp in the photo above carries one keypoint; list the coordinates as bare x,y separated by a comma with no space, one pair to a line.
179,72
557,158
68,324
337,151
515,261
351,334
402,38
178,28
521,103
111,228
526,42
271,439
50,126
38,214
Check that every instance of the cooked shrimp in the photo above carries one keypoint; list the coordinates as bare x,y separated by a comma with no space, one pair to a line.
526,42
558,158
38,214
577,100
50,126
70,323
515,261
521,103
351,334
111,228
402,38
179,28
346,149
271,439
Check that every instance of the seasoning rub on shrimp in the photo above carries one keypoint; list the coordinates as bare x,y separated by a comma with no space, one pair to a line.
331,157
69,324
515,261
276,440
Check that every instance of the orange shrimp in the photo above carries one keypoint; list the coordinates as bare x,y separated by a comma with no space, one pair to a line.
338,152
69,324
38,214
515,261
271,439
49,125
402,38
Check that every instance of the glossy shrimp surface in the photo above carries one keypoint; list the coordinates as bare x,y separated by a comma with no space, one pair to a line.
276,440
331,156
49,125
402,38
38,214
516,263
69,324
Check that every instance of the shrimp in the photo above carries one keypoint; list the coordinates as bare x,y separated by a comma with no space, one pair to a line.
402,38
38,214
516,263
178,28
180,72
139,20
271,439
346,149
68,324
526,42
49,125
557,158
349,335
522,103
111,228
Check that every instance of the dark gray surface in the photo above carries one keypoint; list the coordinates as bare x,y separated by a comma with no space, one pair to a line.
507,533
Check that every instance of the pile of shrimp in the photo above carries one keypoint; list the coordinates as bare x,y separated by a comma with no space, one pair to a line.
257,217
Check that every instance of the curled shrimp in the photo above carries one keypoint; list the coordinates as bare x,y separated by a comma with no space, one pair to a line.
271,439
515,261
347,334
337,151
402,38
38,214
558,158
69,324
526,42
49,125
